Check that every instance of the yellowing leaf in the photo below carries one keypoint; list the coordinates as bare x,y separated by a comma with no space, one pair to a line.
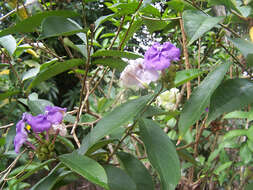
5,72
33,53
251,33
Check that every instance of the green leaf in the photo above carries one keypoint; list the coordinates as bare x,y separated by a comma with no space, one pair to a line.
150,10
245,46
154,25
9,43
222,167
161,153
116,53
86,167
30,73
31,23
186,75
240,115
196,24
245,154
8,94
179,5
113,63
199,99
53,70
249,186
59,26
118,179
48,182
113,120
234,133
231,95
99,144
32,171
102,19
38,106
136,170
229,4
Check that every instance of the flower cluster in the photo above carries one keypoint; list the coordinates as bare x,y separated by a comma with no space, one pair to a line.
168,99
140,73
50,122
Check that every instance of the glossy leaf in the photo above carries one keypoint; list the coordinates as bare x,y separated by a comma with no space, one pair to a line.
48,182
113,63
161,153
31,23
231,95
116,53
30,73
9,43
154,25
199,99
118,179
99,145
53,70
86,167
38,106
59,26
136,170
240,115
196,24
245,46
113,120
186,75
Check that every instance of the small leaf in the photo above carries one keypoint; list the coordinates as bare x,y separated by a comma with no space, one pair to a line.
154,25
234,133
161,153
118,179
31,23
186,75
9,43
59,26
30,73
113,63
9,93
102,19
196,24
38,106
86,167
113,120
136,170
245,154
199,99
117,53
53,70
231,95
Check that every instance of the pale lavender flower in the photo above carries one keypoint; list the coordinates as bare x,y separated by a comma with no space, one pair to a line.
55,114
136,76
159,57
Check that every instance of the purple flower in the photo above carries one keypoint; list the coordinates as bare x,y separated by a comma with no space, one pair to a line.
55,114
135,75
38,123
21,134
159,57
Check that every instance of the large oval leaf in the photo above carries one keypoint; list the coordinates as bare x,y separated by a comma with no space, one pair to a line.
119,116
53,70
231,95
161,153
86,167
136,170
118,179
199,99
29,24
196,24
9,43
59,26
117,53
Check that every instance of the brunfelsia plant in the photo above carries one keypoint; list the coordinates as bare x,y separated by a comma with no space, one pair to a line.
41,128
140,73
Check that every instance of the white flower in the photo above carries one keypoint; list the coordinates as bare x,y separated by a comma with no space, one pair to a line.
168,99
136,76
61,127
